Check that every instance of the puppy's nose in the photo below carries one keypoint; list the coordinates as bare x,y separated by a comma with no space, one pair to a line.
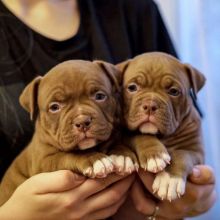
82,123
150,107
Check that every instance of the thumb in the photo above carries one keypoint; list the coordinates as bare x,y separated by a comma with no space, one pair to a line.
54,182
202,175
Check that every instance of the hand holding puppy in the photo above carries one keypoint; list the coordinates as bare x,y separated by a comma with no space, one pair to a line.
200,195
65,195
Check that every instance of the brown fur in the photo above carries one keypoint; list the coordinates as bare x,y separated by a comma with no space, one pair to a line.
55,143
176,125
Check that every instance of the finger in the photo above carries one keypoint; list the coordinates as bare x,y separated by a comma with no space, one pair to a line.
107,212
142,203
202,175
54,182
147,179
92,186
203,205
195,201
170,211
196,192
110,195
207,191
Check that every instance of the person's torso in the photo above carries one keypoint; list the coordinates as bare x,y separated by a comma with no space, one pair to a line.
108,31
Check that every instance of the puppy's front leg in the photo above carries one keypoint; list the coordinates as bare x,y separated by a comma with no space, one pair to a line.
170,183
91,164
151,153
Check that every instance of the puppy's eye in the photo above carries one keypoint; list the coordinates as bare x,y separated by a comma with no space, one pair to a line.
100,96
54,107
132,88
174,91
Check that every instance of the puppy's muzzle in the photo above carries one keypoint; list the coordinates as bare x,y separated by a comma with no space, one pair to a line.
150,107
82,123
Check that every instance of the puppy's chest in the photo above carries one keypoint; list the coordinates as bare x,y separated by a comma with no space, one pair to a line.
171,143
180,141
103,147
106,146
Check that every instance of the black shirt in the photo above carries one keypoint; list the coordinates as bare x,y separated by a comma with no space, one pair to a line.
111,30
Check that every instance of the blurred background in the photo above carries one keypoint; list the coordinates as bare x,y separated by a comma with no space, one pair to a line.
194,26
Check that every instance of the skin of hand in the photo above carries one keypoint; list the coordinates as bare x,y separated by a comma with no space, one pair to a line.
65,195
199,197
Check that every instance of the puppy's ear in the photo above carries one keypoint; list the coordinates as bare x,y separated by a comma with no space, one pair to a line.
195,77
123,66
112,72
28,98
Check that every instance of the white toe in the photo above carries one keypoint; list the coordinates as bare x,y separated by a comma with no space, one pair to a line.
160,163
113,158
107,164
156,184
181,185
166,157
164,184
99,168
151,165
88,172
129,166
172,189
136,166
119,162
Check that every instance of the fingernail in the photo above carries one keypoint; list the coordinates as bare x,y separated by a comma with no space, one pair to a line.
196,172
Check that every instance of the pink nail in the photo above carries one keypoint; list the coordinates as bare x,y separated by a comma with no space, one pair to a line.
196,172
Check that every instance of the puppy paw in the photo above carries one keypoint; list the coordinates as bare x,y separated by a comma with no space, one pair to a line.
168,187
124,164
155,163
100,168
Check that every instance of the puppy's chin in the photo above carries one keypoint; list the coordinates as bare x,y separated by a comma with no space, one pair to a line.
148,128
87,143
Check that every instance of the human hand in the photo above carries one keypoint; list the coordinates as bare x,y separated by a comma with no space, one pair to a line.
200,195
64,195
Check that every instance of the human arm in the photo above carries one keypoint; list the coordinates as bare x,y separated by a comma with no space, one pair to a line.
64,195
199,197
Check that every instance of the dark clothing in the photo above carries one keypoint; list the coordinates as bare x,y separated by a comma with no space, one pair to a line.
111,30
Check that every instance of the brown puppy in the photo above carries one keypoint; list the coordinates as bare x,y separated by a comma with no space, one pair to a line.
76,112
164,124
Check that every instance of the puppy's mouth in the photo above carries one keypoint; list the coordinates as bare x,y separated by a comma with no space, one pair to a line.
148,126
87,143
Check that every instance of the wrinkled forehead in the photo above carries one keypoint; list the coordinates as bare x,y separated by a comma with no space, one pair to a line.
74,79
154,69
